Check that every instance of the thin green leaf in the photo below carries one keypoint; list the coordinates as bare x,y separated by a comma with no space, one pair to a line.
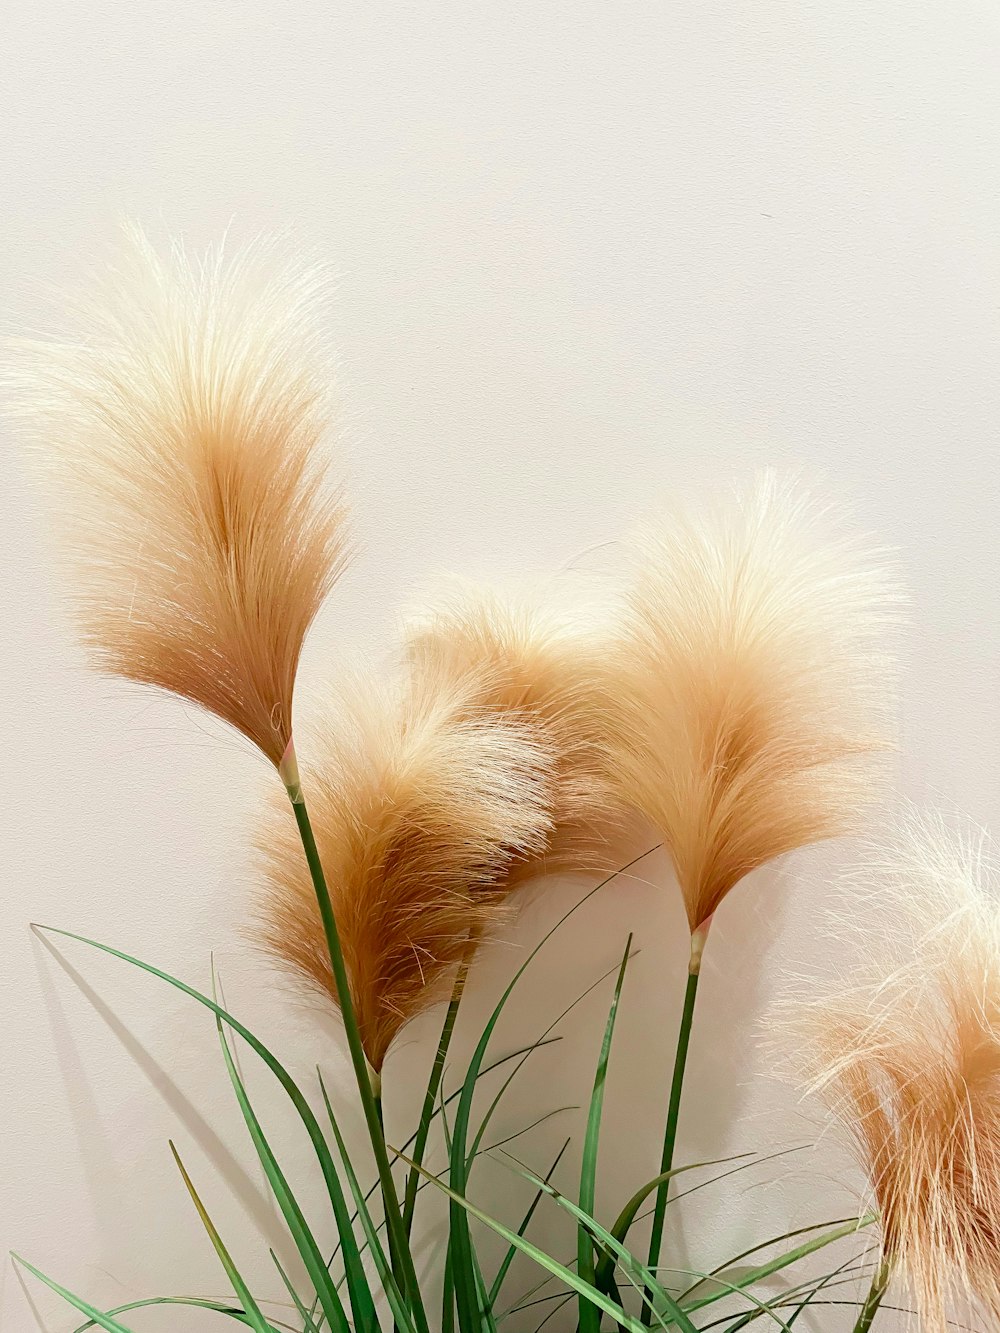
298,1227
460,1234
255,1317
605,1268
652,1292
302,1107
224,1308
446,1101
104,1321
543,1040
543,1260
308,1323
589,1319
849,1228
555,1310
397,1303
430,1096
508,1258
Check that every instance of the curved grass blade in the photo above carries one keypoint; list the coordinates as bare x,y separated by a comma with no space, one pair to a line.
508,1258
460,1232
762,1307
545,1261
430,1096
255,1317
653,1293
543,1040
397,1304
308,1323
841,1229
105,1321
848,1270
195,1302
445,1101
605,1268
305,1242
302,1107
589,1319
555,1310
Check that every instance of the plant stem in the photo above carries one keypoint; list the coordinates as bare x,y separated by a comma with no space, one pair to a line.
873,1300
674,1105
364,1075
433,1084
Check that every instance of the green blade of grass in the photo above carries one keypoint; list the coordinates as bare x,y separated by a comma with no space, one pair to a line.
508,1258
545,1261
589,1319
298,1227
626,1217
543,1040
642,1278
399,1245
194,1302
255,1317
308,1323
460,1233
302,1107
838,1231
104,1321
397,1303
446,1101
427,1111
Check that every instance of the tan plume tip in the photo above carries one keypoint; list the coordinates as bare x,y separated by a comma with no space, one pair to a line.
907,1053
420,804
753,689
536,657
187,422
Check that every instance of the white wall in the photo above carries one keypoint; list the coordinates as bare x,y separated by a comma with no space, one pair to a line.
590,253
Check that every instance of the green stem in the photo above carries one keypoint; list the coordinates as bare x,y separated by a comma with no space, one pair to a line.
674,1105
363,1074
879,1286
433,1084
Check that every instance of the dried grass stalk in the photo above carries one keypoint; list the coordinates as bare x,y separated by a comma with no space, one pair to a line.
908,1055
187,422
420,804
752,687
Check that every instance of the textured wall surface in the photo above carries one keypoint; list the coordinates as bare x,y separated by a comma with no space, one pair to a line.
591,254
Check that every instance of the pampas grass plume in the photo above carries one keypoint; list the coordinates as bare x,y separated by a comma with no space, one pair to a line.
185,426
534,657
420,803
907,1053
752,686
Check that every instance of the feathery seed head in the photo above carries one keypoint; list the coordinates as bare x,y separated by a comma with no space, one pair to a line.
529,659
750,683
908,1056
187,422
420,803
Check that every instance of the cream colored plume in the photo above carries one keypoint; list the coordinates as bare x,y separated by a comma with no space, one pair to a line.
908,1056
188,418
533,657
751,682
420,803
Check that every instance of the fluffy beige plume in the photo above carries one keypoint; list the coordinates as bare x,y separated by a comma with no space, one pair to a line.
752,689
908,1055
523,657
420,804
188,420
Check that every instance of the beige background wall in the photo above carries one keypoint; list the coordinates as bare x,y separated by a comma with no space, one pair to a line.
590,253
